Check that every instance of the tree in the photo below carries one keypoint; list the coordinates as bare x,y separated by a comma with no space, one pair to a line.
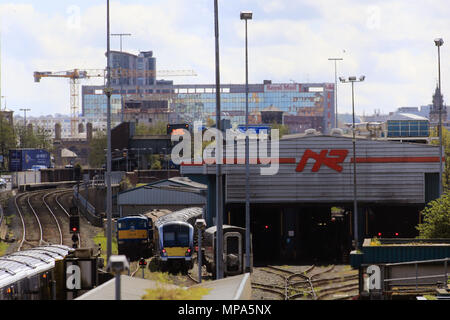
446,147
8,138
156,129
36,138
283,129
155,162
97,150
436,219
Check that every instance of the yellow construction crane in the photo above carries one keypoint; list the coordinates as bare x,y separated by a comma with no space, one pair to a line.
76,75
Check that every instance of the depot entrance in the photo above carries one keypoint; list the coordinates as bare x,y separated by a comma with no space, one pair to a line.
296,234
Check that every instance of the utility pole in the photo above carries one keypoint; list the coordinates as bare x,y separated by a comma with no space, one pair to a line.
219,202
335,90
25,116
352,80
439,42
24,132
120,78
247,15
108,93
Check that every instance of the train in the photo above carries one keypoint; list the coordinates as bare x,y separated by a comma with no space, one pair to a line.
135,236
174,239
30,274
233,250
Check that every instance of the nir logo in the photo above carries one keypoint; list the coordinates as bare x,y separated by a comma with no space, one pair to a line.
333,160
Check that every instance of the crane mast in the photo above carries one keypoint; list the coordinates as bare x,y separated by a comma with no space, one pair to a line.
76,75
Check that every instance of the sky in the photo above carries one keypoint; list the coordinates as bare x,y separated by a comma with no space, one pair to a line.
389,42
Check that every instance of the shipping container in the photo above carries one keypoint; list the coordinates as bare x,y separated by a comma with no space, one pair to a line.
25,159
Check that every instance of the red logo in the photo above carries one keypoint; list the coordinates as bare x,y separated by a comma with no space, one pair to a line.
337,157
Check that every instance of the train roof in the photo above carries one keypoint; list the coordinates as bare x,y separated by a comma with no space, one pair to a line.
140,216
213,229
183,215
22,264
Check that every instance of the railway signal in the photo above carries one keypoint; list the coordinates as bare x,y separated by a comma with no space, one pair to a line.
74,225
142,265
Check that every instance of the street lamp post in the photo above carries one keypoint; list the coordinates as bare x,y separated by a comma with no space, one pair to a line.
355,203
108,93
439,42
335,90
219,195
247,15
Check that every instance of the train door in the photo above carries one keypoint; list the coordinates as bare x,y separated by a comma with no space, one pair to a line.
233,252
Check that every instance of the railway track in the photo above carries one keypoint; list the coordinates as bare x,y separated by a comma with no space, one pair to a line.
311,283
42,219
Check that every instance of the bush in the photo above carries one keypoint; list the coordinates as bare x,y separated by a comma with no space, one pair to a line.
436,219
164,292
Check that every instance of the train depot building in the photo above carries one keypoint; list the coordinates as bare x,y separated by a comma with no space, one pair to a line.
305,211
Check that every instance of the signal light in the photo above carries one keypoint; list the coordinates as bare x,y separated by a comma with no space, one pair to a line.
266,227
74,224
142,262
396,234
379,234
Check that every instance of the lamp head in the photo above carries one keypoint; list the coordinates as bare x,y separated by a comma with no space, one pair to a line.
342,79
351,78
362,78
438,42
246,15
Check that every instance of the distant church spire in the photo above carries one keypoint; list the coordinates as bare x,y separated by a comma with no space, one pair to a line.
438,101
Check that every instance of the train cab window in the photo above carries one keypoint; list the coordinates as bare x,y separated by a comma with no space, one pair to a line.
176,236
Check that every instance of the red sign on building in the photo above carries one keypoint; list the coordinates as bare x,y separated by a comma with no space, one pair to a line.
331,159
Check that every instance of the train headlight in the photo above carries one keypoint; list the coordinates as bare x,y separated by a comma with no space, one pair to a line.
163,252
188,252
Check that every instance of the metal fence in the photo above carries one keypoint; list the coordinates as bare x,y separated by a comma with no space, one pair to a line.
1,214
87,209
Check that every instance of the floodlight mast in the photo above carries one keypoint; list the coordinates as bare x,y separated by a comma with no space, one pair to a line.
353,79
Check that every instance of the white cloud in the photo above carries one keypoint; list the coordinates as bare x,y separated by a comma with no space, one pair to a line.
391,42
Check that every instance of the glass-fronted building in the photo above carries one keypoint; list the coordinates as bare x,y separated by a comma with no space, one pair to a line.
303,105
407,125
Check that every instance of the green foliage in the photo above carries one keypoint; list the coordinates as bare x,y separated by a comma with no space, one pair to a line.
163,291
446,147
97,150
155,162
101,239
158,128
125,184
436,219
375,242
281,128
3,247
37,138
7,136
